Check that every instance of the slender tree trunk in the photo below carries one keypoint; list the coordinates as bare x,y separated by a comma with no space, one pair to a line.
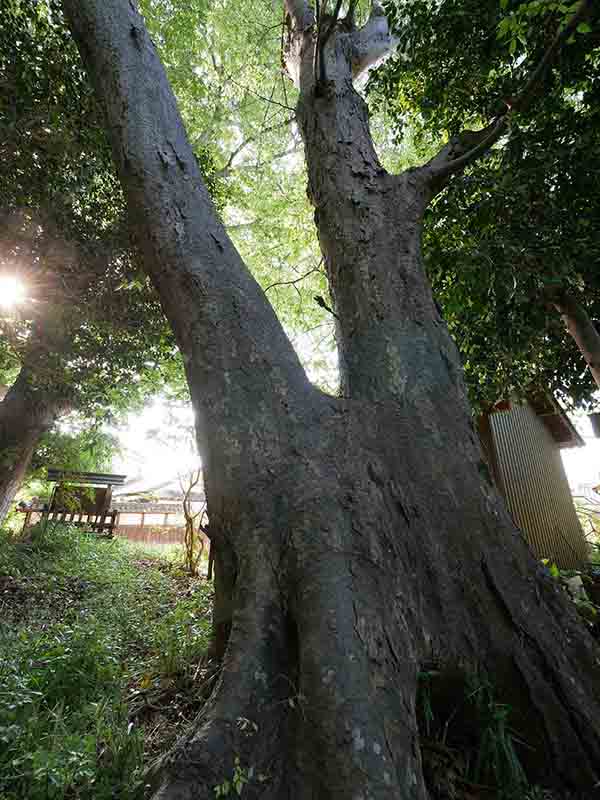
581,328
26,414
357,537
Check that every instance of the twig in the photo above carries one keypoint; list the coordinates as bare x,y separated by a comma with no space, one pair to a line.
260,96
321,302
242,146
292,282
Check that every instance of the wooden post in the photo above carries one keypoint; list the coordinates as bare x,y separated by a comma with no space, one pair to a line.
26,521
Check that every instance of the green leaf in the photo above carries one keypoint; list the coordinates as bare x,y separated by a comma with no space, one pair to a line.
504,26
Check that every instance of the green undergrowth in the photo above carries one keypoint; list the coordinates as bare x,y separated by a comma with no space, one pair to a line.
101,648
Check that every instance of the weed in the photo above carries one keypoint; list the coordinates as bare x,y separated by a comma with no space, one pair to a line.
466,737
496,759
239,778
82,621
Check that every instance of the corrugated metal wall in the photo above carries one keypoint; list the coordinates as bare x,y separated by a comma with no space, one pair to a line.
536,486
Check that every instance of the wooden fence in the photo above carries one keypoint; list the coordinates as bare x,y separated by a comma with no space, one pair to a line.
150,523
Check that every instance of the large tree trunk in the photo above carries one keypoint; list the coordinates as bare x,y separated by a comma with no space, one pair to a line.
26,414
582,329
358,537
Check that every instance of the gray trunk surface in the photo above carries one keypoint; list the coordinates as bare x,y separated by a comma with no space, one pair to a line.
26,414
358,537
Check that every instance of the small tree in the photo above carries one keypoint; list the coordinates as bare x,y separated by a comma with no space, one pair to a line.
193,541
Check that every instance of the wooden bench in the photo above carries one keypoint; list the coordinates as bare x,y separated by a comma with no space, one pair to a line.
80,498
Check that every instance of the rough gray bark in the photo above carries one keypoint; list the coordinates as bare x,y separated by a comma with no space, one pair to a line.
361,536
581,328
26,414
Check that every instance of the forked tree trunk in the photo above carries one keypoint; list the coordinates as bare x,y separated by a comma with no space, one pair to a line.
26,414
361,536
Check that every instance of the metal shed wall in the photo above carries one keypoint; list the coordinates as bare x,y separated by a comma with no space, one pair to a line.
536,487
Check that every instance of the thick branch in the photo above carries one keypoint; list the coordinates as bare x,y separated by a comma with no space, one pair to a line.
581,328
464,149
372,42
351,11
323,36
299,23
233,346
469,145
28,411
301,13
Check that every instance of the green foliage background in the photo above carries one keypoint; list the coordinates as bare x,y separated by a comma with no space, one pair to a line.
523,219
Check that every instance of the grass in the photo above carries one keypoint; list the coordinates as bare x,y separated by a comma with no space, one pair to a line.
102,665
101,648
468,745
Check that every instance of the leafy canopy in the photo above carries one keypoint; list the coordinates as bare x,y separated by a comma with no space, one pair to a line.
523,219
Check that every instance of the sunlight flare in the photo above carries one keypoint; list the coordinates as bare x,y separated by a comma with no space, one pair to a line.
12,291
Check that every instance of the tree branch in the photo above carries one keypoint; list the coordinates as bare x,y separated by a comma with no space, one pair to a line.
233,345
319,300
373,41
299,19
301,13
351,11
323,38
463,149
524,99
292,282
581,328
260,96
468,146
225,170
